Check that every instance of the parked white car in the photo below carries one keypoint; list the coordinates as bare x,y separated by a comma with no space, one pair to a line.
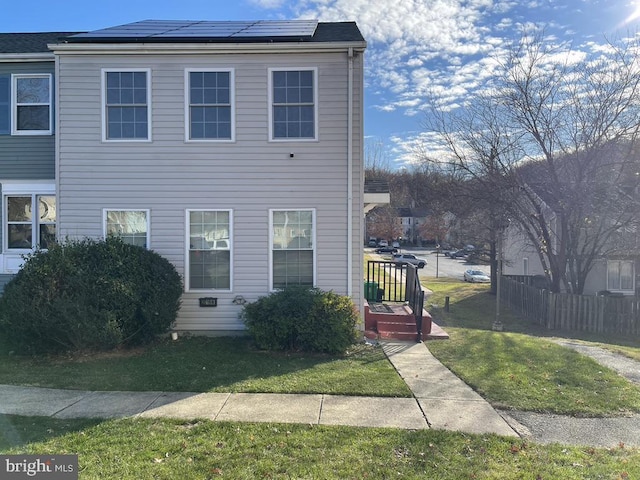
476,276
409,258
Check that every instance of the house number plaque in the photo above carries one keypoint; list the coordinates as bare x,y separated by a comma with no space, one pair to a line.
208,302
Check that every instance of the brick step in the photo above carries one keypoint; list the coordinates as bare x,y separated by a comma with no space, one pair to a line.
405,336
396,326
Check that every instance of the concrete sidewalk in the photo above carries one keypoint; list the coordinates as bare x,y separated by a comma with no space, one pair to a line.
442,401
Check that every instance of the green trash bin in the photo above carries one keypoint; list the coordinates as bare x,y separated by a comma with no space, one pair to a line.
371,291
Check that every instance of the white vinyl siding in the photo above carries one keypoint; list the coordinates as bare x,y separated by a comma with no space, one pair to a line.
126,106
31,107
209,105
249,177
132,226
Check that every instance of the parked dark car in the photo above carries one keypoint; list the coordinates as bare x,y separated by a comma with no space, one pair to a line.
387,249
456,253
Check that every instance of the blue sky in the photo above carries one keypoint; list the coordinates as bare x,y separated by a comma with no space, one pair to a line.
416,48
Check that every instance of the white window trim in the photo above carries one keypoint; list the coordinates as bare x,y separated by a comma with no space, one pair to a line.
103,106
313,241
633,277
187,111
14,104
11,261
187,232
316,127
5,230
146,210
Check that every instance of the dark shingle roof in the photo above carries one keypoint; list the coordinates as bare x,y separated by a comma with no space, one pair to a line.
29,42
262,31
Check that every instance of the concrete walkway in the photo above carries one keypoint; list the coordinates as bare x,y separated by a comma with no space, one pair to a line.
441,400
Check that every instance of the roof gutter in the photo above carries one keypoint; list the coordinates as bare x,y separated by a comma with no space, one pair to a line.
191,48
26,57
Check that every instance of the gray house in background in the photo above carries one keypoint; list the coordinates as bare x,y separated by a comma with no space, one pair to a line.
233,149
27,146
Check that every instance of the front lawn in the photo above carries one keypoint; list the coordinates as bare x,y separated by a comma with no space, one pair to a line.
211,364
169,449
525,370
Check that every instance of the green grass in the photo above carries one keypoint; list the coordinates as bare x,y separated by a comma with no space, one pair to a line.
513,370
210,364
522,368
169,449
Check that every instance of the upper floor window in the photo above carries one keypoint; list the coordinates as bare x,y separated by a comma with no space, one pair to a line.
30,221
31,99
209,105
132,226
126,108
293,109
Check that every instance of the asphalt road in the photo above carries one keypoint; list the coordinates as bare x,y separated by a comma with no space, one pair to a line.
437,264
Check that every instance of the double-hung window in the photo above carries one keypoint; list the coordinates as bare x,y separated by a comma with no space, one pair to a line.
31,99
292,242
209,105
209,235
126,105
620,275
132,226
30,221
293,109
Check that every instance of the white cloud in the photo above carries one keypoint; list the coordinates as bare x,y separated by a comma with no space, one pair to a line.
405,36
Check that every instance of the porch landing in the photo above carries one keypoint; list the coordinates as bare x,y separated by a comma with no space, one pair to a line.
397,321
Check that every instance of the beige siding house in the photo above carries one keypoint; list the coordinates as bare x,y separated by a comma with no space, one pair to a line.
233,149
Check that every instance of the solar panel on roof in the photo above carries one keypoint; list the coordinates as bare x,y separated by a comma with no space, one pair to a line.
207,29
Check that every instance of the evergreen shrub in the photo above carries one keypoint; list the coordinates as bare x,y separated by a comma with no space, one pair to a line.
303,319
89,295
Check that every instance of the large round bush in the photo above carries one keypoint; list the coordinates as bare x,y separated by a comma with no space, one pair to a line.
89,295
301,318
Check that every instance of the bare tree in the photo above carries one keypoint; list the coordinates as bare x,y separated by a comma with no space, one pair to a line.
383,223
376,161
552,148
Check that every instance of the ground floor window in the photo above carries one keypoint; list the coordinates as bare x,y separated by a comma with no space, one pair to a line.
30,221
620,275
209,240
292,242
132,226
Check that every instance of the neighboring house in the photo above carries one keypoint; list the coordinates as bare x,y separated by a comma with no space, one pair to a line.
27,146
614,273
233,149
411,219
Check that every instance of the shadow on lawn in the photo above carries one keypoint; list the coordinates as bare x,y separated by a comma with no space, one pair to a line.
17,431
196,364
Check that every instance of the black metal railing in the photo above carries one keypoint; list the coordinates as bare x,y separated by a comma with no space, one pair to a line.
415,295
394,282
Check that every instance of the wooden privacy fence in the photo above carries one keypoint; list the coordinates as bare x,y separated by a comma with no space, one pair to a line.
563,311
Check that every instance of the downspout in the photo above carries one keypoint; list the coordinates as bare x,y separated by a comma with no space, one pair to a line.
350,176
